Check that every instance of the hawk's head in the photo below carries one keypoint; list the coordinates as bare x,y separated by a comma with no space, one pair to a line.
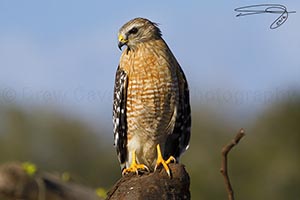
137,30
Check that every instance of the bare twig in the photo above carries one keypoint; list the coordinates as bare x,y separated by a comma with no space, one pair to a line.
224,170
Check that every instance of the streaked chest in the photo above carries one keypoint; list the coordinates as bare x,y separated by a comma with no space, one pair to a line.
152,90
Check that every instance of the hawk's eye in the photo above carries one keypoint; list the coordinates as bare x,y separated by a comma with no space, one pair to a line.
134,30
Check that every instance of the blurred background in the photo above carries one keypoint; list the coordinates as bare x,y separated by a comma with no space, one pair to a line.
57,68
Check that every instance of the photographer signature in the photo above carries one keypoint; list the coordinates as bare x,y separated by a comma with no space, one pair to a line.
266,8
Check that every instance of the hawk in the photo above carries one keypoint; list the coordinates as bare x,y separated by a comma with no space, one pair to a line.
151,107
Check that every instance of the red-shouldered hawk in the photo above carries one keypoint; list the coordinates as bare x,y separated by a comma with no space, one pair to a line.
151,108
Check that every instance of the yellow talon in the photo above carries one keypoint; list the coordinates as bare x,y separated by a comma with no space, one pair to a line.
134,167
161,161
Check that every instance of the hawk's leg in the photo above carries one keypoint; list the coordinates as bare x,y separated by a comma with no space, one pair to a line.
161,161
134,167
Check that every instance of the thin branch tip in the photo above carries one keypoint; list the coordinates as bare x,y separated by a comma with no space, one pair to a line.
224,168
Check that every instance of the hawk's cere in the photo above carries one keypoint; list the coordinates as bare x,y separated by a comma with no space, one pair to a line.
151,108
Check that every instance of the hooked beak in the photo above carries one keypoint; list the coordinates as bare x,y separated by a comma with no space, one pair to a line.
120,44
122,41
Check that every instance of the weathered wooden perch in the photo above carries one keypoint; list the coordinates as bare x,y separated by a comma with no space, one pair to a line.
15,183
155,185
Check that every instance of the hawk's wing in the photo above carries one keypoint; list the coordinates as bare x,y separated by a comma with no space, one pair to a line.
178,141
119,114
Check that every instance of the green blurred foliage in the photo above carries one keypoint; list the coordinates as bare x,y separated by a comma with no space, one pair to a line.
264,165
58,144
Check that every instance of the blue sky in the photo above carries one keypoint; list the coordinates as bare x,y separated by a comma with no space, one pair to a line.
63,54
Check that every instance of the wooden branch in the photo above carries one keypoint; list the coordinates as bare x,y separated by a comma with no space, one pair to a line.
155,185
15,183
224,165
